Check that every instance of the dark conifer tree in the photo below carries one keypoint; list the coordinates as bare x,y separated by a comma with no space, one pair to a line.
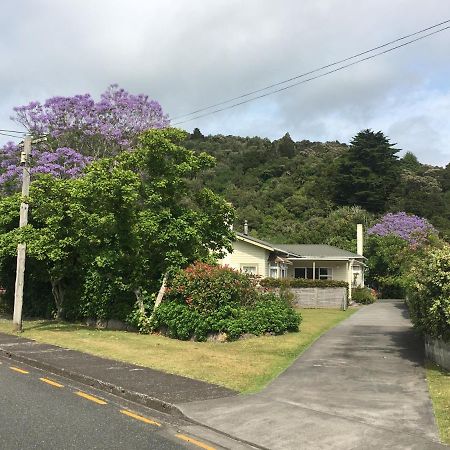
368,173
286,146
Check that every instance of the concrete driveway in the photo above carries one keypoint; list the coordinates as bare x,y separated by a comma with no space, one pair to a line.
360,386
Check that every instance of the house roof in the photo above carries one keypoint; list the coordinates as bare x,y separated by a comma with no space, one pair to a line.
317,251
301,250
259,242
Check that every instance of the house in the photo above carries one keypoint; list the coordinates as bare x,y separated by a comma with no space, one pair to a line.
310,261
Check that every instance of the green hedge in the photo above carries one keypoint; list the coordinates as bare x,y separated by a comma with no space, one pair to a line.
269,315
301,283
429,293
204,299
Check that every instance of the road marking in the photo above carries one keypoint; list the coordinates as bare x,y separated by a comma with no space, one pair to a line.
91,398
16,369
51,382
194,441
138,417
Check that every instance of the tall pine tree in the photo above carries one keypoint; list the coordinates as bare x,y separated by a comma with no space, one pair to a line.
368,173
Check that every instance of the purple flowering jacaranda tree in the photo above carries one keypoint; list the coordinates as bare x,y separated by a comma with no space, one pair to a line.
409,227
79,129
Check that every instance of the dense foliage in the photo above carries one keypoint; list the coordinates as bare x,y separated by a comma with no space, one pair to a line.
103,241
393,244
205,299
291,192
429,293
301,283
368,172
363,296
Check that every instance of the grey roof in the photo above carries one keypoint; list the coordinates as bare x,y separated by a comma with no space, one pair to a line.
317,251
259,241
305,250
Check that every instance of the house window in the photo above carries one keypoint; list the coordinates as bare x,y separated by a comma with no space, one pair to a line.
251,270
321,273
304,272
273,272
325,273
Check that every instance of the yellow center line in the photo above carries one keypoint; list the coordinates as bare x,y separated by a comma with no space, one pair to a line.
194,441
138,417
16,369
51,382
91,398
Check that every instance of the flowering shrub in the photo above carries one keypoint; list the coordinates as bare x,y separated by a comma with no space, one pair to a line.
206,299
429,293
409,227
206,288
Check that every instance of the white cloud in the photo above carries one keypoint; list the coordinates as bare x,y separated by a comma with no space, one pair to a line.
191,54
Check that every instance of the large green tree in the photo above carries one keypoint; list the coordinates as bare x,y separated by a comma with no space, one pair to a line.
119,227
368,172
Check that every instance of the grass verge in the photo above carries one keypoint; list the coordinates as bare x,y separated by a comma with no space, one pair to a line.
245,365
439,385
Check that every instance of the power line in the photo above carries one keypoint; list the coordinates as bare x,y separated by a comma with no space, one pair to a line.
13,131
11,135
313,71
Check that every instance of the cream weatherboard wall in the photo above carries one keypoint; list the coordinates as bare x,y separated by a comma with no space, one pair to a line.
247,255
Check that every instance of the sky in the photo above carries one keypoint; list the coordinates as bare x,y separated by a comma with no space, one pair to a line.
192,54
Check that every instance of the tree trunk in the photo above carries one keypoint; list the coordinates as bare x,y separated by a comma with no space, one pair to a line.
58,295
160,296
140,300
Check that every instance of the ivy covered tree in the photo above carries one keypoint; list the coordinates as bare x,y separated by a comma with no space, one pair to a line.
368,173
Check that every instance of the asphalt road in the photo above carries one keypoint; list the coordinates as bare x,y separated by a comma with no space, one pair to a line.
42,411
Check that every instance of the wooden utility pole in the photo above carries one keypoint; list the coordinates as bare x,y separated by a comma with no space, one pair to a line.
21,248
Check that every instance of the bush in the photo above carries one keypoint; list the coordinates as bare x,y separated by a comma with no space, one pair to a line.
268,315
207,288
301,283
429,293
363,295
204,299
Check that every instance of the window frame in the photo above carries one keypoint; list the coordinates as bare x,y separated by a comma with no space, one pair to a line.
308,273
248,265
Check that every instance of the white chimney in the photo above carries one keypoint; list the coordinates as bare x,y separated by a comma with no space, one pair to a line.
359,239
245,228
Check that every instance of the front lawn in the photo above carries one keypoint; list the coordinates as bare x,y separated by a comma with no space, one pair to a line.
245,365
439,384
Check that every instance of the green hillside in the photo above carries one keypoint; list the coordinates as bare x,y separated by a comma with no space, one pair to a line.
314,192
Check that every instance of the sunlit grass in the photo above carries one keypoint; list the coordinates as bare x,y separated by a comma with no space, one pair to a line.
246,365
439,385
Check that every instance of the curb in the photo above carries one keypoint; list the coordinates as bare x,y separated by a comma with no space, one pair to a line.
136,397
110,388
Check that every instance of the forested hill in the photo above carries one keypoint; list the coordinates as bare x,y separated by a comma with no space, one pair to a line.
313,192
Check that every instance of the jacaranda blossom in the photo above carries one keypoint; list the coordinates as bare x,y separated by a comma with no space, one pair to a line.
409,227
78,130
